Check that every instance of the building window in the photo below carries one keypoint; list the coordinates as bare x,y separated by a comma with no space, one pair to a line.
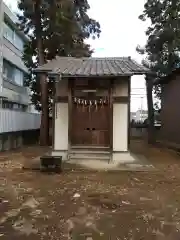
14,106
18,77
11,35
12,73
18,42
8,71
8,33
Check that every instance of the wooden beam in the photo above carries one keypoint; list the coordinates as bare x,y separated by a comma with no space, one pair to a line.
61,99
121,99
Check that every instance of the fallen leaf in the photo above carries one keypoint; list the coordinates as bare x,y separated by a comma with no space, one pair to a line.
76,195
126,202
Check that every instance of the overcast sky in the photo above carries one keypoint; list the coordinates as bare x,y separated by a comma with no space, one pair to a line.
122,31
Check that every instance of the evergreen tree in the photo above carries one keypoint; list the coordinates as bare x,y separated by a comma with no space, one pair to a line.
162,48
163,45
54,27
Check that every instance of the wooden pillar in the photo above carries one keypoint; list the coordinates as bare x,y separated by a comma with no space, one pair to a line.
129,110
69,112
111,113
55,85
44,128
149,87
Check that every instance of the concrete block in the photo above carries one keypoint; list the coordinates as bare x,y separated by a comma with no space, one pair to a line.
19,140
13,141
63,154
122,157
6,142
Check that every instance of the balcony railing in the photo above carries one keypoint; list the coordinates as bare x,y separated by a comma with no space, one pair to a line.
13,121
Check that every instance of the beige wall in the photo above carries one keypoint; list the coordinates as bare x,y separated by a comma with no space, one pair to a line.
62,88
120,87
120,121
61,123
61,127
120,127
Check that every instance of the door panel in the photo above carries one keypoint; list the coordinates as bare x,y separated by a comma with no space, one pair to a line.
80,125
90,126
100,126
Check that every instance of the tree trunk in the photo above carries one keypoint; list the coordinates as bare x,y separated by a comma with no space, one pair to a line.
44,129
151,132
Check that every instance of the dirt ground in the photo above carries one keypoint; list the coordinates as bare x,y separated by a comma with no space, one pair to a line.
81,204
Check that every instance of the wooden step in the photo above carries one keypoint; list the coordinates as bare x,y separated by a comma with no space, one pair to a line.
89,154
84,151
90,148
90,158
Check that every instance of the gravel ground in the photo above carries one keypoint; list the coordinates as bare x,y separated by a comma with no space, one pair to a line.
81,204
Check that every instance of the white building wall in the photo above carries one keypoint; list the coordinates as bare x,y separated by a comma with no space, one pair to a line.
14,121
9,52
14,56
23,98
1,45
61,129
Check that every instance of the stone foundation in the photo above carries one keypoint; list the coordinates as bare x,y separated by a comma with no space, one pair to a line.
122,157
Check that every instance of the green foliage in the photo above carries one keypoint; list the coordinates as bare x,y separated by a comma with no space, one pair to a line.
62,26
163,44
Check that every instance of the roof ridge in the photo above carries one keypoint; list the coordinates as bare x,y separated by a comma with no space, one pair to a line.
106,58
94,58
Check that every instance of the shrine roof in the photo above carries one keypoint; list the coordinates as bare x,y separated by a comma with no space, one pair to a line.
86,67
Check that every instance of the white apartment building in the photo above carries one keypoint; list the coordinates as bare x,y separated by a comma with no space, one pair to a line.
16,117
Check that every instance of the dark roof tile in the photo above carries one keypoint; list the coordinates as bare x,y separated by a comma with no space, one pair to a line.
69,66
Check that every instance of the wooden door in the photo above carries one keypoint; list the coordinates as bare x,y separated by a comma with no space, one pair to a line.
90,125
100,126
81,134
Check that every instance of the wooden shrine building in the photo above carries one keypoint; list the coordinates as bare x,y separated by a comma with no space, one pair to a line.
92,103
